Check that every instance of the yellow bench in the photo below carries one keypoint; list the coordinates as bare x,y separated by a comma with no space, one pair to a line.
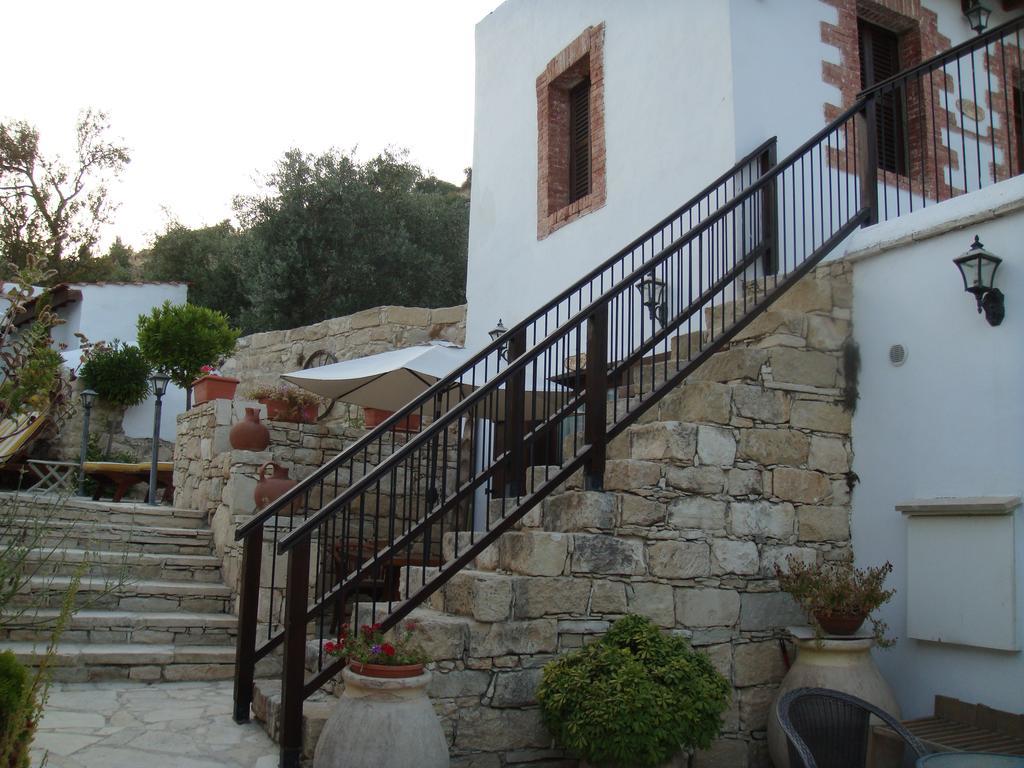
123,476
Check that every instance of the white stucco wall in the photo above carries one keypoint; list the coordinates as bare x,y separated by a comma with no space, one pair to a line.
946,423
668,132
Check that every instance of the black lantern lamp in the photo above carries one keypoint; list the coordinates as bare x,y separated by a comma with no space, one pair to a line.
159,381
652,296
88,398
977,14
978,269
496,333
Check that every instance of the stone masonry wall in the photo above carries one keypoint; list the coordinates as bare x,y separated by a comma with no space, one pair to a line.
745,464
261,358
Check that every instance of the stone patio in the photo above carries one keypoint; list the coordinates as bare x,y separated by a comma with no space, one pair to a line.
128,725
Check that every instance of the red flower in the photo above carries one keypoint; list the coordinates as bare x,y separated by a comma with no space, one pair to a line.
375,627
330,646
411,626
387,649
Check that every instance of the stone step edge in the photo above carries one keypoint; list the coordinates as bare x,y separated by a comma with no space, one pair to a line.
187,588
107,556
68,527
119,507
100,619
121,654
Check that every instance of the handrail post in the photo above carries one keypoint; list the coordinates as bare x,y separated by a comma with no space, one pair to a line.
515,427
248,608
867,137
769,201
596,399
293,675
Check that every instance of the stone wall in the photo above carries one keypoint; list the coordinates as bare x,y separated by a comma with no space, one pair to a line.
261,358
744,465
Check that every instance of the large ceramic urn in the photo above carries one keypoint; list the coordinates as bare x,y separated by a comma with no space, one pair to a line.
270,487
842,663
380,722
249,434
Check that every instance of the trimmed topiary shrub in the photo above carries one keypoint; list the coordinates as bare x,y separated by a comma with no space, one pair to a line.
118,372
635,697
179,339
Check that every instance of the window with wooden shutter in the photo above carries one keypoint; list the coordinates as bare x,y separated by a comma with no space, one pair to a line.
1018,124
880,60
579,141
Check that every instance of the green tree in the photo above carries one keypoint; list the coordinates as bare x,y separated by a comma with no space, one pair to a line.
50,209
335,236
115,266
179,339
119,373
206,258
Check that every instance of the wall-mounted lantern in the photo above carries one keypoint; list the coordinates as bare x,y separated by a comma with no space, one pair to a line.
977,14
652,296
978,269
496,333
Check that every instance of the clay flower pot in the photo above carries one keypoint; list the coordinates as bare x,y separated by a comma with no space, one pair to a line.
374,417
250,434
281,410
839,623
386,670
213,387
271,488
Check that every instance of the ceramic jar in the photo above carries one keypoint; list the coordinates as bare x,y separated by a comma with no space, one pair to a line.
840,663
382,721
250,434
270,488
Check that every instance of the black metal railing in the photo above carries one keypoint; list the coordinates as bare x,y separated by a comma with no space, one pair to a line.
390,520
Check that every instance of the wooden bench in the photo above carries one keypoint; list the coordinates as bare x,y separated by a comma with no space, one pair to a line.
123,476
955,726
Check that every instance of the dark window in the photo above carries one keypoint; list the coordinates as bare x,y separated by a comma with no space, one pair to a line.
579,141
880,60
1018,125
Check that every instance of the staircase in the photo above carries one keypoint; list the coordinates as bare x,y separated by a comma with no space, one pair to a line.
503,522
156,606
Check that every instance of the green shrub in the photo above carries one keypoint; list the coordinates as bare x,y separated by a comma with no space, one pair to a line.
16,712
119,373
634,697
179,339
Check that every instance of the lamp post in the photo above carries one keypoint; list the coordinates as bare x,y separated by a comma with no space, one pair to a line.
978,270
159,382
88,398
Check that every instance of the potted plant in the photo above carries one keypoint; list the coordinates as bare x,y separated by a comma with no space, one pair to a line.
384,716
374,417
180,339
837,596
286,403
634,697
212,386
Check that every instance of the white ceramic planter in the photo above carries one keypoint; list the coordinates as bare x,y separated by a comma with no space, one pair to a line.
840,663
380,722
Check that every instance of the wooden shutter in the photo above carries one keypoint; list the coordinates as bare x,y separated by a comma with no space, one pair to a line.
1018,125
880,60
579,141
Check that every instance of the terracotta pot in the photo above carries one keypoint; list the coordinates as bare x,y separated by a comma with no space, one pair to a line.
212,387
281,410
386,670
270,488
250,434
374,417
839,623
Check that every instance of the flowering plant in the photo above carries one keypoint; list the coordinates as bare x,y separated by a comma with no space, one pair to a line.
209,370
371,646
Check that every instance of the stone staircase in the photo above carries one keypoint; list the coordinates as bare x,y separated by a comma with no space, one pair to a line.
153,603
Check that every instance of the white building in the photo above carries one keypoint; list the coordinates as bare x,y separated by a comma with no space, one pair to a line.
673,94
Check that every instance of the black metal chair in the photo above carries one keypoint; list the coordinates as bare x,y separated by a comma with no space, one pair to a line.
830,729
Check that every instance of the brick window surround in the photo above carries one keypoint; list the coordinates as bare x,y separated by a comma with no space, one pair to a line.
583,58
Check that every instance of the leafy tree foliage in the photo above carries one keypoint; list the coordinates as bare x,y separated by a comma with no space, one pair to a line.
335,236
179,339
119,373
49,209
206,258
115,266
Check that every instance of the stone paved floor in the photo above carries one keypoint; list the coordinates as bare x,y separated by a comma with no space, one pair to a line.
133,725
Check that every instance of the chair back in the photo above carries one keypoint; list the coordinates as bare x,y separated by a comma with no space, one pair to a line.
831,729
16,432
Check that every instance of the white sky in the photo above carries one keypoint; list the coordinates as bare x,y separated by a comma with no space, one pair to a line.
208,95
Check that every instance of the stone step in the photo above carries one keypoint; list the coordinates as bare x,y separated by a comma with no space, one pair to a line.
98,662
45,507
115,626
142,595
117,537
136,565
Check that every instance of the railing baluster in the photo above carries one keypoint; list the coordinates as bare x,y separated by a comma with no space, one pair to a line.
595,424
248,610
294,670
867,138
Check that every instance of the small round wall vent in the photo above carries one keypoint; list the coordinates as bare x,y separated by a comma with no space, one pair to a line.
897,355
